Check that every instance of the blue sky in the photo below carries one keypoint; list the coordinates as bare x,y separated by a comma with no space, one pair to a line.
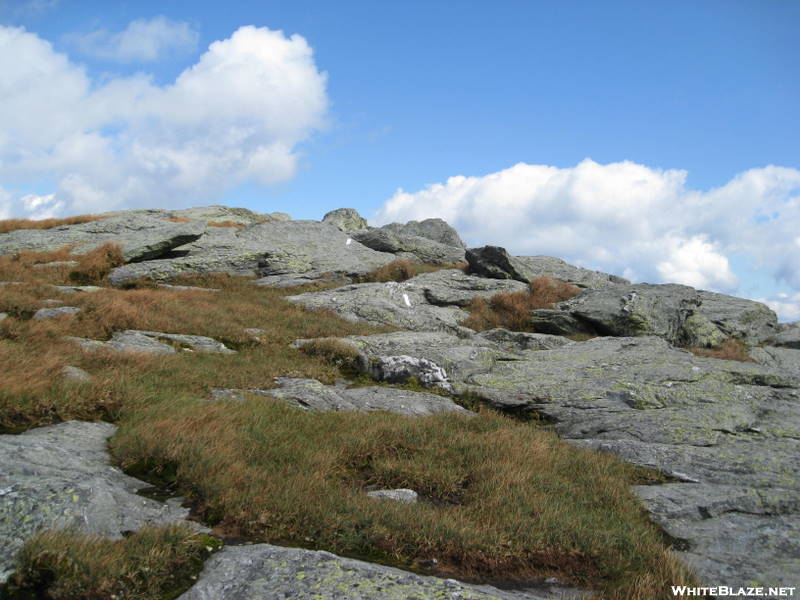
653,139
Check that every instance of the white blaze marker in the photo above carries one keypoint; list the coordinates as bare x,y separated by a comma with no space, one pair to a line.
348,242
406,300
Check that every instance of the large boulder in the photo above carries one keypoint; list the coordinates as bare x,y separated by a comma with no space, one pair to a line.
726,433
436,230
411,247
787,335
427,302
496,263
345,219
60,477
677,313
265,572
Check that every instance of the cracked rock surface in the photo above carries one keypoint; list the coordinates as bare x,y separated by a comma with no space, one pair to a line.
728,432
265,572
153,342
60,476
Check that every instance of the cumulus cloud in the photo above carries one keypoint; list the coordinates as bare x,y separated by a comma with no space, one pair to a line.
625,218
143,40
787,306
236,115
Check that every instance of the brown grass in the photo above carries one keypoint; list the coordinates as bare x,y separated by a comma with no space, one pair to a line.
730,349
512,310
152,564
178,220
93,267
231,224
401,270
503,499
14,224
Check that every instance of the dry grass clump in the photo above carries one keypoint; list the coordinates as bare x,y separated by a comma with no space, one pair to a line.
32,353
344,356
512,310
178,220
401,270
232,224
152,564
93,267
730,349
501,499
14,224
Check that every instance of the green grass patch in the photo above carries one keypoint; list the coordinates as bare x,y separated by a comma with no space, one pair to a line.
155,563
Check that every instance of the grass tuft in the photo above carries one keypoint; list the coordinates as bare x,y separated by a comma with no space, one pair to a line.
231,224
730,349
511,310
402,270
155,563
15,224
94,266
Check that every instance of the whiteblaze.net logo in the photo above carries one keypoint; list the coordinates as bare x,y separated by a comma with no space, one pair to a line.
724,591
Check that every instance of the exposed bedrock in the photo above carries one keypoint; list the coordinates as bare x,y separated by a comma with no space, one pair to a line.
727,432
60,477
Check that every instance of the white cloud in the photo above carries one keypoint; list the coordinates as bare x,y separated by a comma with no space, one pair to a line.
625,218
787,306
143,40
237,114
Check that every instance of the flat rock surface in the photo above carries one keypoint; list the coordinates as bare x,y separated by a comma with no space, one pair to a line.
714,425
60,476
427,302
265,572
274,248
411,247
311,395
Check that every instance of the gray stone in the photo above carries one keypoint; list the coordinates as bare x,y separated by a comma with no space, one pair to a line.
345,219
427,302
411,247
437,230
53,313
311,395
723,425
3,316
75,374
402,368
60,477
677,313
149,342
265,572
403,495
52,302
787,335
